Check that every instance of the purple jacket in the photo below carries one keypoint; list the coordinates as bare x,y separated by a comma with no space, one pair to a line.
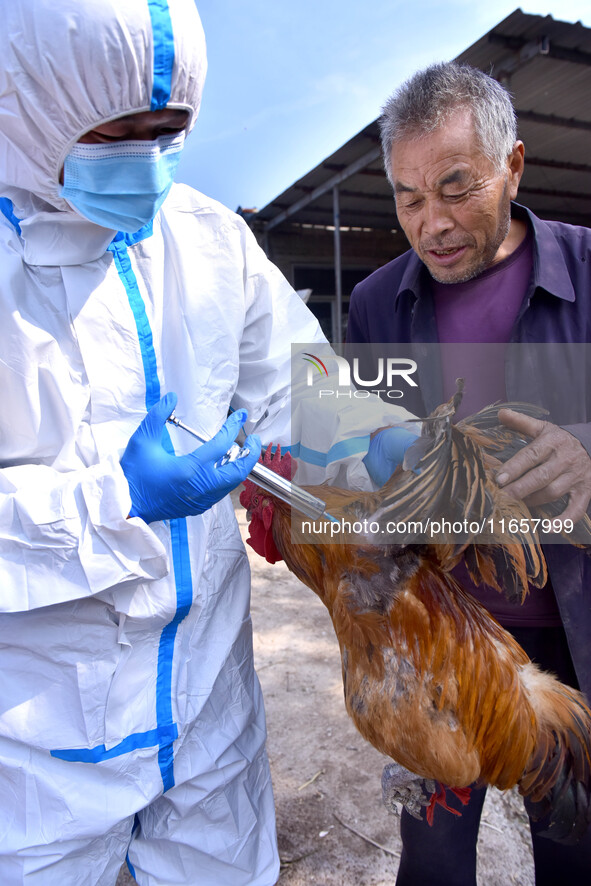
394,304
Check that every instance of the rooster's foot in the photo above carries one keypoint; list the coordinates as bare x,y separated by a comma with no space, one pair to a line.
402,788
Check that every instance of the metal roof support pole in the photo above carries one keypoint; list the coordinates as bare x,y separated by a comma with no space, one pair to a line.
338,314
359,164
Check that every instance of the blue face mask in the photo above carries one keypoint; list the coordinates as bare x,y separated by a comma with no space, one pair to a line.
121,185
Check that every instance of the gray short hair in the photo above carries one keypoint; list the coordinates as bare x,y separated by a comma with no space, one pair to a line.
426,100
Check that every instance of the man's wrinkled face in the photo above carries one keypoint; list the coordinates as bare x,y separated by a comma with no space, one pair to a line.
451,201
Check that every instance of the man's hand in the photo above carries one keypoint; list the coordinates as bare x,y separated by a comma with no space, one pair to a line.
553,464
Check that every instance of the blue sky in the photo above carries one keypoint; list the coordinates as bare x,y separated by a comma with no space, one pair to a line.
289,81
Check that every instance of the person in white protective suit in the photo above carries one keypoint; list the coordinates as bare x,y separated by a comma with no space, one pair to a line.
131,719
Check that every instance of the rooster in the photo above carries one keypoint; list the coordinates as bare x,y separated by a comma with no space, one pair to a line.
430,678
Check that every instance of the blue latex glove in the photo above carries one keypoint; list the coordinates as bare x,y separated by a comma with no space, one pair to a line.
164,486
386,451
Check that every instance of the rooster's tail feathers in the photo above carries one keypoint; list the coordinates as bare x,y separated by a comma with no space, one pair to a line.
557,781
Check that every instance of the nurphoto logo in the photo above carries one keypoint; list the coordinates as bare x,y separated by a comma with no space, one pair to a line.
387,372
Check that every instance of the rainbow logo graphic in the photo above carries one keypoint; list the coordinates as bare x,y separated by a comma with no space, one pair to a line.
316,362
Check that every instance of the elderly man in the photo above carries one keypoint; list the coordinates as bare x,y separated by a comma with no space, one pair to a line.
483,269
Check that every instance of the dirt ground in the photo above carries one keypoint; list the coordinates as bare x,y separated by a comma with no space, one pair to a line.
332,827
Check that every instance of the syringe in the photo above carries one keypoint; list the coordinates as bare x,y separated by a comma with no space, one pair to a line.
289,492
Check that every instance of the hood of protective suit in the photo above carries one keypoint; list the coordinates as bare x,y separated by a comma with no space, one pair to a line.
70,65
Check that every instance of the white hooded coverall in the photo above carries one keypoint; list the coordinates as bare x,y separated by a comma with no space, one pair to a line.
131,719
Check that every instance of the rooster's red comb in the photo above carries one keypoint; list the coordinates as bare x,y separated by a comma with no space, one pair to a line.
283,465
280,464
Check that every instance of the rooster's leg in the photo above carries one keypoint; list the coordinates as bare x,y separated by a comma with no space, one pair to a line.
400,787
